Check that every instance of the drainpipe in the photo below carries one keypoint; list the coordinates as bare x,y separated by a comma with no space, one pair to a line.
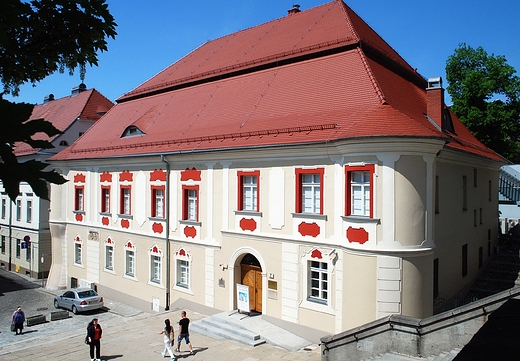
167,215
10,233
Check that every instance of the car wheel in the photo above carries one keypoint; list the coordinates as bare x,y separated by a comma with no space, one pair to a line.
56,304
74,310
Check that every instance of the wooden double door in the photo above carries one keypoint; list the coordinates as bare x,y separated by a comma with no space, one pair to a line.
252,277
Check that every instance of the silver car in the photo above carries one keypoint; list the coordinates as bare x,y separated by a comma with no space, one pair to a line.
79,300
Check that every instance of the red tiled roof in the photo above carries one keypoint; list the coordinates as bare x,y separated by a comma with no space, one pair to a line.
86,105
325,86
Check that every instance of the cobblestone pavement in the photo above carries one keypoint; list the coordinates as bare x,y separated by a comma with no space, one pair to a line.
128,334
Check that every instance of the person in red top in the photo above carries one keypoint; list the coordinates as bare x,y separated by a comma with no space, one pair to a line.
94,332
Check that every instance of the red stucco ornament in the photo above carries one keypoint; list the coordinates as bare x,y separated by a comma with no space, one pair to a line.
157,227
79,178
125,176
125,223
357,235
316,254
190,174
105,177
190,231
248,224
79,217
309,229
105,221
158,174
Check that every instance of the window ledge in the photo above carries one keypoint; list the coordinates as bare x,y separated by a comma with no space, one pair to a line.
317,306
361,219
183,289
78,212
310,215
106,214
191,223
108,270
132,278
248,213
125,216
155,284
159,219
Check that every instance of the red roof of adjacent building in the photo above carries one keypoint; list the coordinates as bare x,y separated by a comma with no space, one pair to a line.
314,76
86,105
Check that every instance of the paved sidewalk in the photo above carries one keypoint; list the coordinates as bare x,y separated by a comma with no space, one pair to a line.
135,338
129,334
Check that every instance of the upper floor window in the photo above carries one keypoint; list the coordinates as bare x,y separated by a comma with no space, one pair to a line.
464,193
18,210
78,198
309,191
29,211
190,203
158,201
4,207
105,199
358,181
125,200
248,190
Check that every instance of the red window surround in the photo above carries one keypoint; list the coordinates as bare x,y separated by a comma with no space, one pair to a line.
79,198
154,201
122,200
241,176
299,200
185,204
348,171
105,203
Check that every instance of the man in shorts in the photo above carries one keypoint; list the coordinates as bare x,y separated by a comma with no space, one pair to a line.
183,332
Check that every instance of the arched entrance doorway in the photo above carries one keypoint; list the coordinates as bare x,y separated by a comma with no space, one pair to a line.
252,277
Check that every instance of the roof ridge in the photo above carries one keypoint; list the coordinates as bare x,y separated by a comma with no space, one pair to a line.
301,129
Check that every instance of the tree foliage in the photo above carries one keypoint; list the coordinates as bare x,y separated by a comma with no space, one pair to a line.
38,38
486,97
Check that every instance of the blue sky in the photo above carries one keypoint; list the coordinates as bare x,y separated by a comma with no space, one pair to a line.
154,34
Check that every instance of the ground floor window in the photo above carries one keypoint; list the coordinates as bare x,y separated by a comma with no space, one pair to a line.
183,273
109,257
130,263
77,253
318,281
155,271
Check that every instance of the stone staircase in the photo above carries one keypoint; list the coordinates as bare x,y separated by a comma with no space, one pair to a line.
249,330
501,273
392,356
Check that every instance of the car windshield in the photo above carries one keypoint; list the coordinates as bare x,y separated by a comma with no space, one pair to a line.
85,294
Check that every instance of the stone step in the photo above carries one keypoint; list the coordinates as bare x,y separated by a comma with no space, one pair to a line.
218,328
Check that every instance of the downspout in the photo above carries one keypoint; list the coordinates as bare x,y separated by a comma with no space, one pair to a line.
167,215
10,233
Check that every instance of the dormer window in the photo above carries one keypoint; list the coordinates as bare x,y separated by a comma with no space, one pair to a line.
132,131
64,143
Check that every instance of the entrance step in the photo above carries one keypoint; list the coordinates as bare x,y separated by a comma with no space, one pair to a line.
249,330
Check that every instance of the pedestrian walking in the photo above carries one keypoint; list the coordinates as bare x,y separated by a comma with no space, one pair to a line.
18,320
184,333
94,332
169,339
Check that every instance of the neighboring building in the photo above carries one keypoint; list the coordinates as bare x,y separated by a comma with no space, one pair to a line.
302,158
24,224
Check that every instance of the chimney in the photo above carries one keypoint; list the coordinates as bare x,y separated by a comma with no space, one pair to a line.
295,9
48,98
78,89
435,101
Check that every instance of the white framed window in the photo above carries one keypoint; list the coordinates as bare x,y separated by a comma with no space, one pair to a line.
130,251
130,263
29,211
78,253
18,247
182,269
155,269
156,255
109,253
318,281
4,207
18,210
317,290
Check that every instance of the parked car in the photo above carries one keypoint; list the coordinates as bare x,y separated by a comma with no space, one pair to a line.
79,300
